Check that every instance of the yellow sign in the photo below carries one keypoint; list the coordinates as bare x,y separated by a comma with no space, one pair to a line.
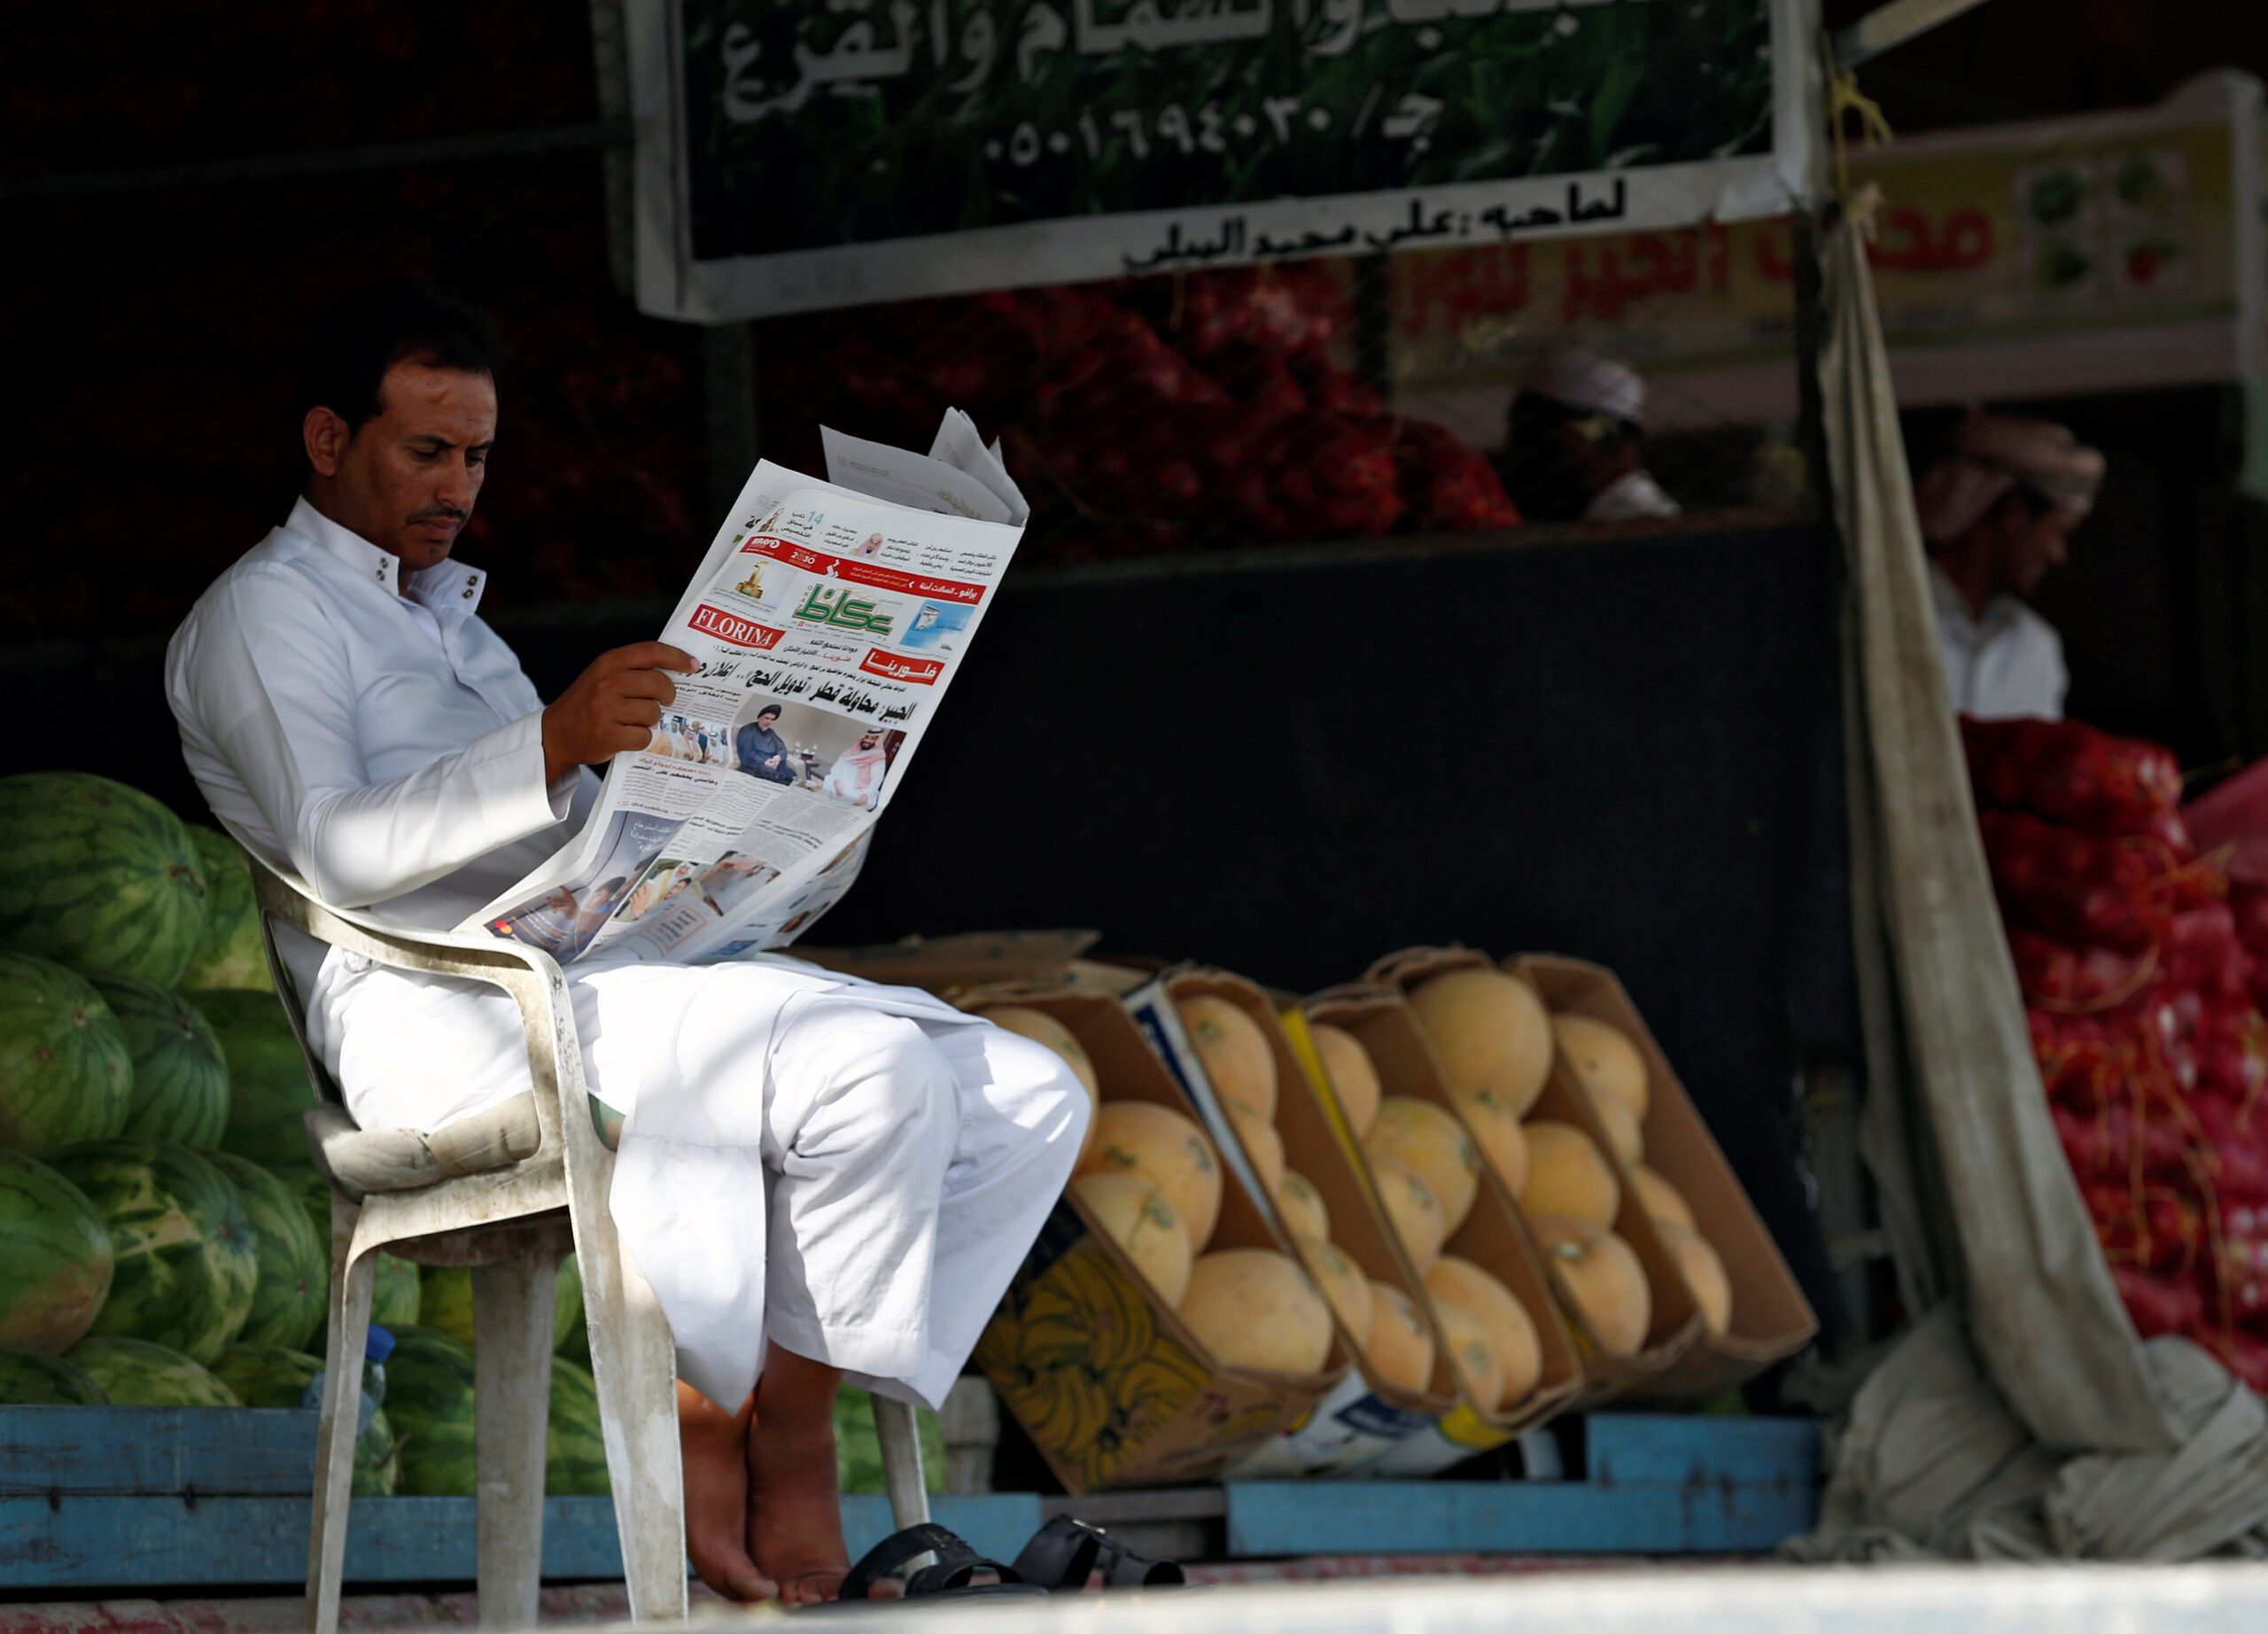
2080,228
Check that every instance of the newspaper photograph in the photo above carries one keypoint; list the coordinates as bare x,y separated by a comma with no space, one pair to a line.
825,622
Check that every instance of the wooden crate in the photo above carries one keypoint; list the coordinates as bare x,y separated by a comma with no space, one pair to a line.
99,1499
138,1498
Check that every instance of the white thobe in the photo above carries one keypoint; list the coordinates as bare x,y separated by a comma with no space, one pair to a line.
1629,497
854,1171
2006,665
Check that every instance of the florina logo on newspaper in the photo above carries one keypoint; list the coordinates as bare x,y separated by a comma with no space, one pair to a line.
733,628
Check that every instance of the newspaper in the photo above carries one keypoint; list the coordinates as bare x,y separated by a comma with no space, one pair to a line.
826,620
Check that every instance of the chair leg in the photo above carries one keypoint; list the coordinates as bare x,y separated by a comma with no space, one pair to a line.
512,1301
900,1439
633,1360
351,1284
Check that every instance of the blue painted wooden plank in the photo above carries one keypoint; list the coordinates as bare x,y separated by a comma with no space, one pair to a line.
118,1543
156,1450
133,1542
1623,1448
1444,1517
996,1525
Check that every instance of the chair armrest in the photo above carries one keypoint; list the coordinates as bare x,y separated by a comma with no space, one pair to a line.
442,952
529,974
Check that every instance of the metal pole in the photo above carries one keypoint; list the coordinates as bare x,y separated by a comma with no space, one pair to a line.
611,58
729,401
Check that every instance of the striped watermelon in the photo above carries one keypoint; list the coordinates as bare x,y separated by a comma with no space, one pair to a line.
230,953
180,1079
266,1375
96,875
313,1193
187,1266
66,1073
287,1301
567,1308
574,1337
32,1379
55,1259
428,1398
397,1300
268,1088
445,1302
134,1372
377,1458
574,1453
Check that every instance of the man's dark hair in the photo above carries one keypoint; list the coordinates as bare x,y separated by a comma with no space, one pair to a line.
769,709
367,331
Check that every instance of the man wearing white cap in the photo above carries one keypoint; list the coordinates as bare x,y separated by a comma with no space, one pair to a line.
1572,444
1998,513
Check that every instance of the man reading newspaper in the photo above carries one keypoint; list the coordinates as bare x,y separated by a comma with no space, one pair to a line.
821,1178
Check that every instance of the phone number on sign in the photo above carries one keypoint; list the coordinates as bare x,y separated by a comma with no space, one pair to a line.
1173,128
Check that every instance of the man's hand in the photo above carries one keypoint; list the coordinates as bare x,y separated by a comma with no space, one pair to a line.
613,706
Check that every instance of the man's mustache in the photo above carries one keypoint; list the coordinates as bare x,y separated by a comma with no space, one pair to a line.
450,512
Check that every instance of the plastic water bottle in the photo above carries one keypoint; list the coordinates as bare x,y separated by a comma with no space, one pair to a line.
376,1349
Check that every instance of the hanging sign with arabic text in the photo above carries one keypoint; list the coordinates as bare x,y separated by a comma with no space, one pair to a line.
799,154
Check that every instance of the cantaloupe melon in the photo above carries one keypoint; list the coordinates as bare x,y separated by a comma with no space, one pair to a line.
1412,1210
1605,1060
1623,1136
1488,1030
1301,1208
1503,1143
1704,1274
1141,1221
1504,1322
1168,1150
1567,1174
1353,1079
1434,1143
1041,1028
1235,1053
1255,1307
1263,1148
1602,1273
1400,1351
1660,1199
1471,1354
1342,1283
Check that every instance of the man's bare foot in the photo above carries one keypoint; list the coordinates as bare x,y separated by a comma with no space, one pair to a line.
795,1508
713,1443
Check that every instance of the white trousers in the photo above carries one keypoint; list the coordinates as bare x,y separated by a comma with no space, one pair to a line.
854,1171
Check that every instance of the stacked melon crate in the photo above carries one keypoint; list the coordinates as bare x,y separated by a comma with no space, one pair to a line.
167,1237
1376,1232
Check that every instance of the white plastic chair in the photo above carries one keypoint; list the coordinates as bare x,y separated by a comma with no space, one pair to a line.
508,1192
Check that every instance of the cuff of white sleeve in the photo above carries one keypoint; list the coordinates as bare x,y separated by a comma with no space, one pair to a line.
563,787
510,761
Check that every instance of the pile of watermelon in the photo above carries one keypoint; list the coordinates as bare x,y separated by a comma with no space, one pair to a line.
140,1243
157,1203
2143,998
165,1240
